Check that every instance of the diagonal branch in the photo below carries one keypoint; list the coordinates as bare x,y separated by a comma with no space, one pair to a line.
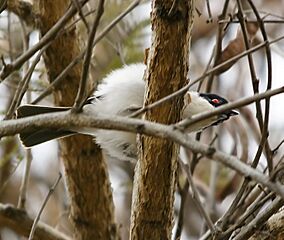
237,104
48,37
78,59
81,95
64,119
211,71
20,222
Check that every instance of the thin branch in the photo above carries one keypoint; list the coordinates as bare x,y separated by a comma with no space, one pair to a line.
36,220
264,130
250,213
23,86
259,220
212,70
77,60
252,21
63,119
210,19
183,190
21,223
11,174
274,151
173,8
48,37
3,5
81,95
26,175
25,180
196,198
233,105
79,10
254,79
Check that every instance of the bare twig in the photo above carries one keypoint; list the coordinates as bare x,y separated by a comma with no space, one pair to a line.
173,8
252,21
25,179
180,219
189,85
48,37
233,105
250,213
259,220
81,95
79,10
274,151
36,220
63,119
196,198
18,220
77,60
210,19
26,175
11,174
3,5
264,130
218,45
23,86
255,82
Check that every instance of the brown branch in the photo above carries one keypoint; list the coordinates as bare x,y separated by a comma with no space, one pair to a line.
192,83
154,184
36,220
22,87
48,37
183,191
79,9
81,95
80,56
218,45
63,119
3,5
18,221
264,130
259,220
251,211
254,80
196,198
273,228
233,105
86,174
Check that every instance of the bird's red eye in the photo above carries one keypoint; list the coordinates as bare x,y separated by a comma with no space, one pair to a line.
215,100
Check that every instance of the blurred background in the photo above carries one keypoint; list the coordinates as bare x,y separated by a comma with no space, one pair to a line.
125,44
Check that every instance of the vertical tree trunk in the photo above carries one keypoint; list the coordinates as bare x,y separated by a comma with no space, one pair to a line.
92,210
154,186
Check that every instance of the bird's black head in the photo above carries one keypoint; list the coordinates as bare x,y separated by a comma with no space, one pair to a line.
217,101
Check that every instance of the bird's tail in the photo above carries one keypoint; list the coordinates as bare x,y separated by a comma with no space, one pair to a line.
37,136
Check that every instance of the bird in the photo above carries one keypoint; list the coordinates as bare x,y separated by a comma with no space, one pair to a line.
121,93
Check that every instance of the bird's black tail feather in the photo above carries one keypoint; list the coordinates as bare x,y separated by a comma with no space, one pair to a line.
37,136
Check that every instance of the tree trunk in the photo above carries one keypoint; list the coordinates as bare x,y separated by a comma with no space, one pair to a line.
92,210
154,186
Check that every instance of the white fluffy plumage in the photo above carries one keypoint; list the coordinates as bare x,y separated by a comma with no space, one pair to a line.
121,93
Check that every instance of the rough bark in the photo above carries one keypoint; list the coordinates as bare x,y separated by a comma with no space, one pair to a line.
154,186
272,229
92,210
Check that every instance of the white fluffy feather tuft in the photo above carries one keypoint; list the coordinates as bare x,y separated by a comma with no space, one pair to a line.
119,93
